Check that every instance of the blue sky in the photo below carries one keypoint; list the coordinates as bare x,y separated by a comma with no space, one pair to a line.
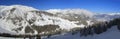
98,6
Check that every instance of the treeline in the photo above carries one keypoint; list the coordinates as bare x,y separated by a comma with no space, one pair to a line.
99,28
20,36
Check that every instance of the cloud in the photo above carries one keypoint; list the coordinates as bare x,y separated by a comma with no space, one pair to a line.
73,11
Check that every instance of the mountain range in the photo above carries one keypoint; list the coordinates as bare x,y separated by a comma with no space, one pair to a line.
19,19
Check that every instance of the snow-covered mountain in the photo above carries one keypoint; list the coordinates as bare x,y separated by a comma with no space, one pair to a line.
21,19
106,16
103,30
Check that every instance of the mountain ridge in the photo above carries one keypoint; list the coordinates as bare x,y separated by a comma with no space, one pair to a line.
27,20
22,19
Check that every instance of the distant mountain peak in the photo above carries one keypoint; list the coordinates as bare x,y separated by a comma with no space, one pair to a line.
17,7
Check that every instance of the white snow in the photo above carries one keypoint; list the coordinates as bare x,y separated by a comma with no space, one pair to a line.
112,33
24,12
106,16
89,22
7,25
64,24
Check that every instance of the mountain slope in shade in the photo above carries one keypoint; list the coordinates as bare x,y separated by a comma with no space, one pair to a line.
103,30
112,33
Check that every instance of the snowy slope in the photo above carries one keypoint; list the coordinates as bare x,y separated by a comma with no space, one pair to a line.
112,33
27,20
19,19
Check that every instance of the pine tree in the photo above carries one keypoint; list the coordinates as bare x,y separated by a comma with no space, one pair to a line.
118,26
104,27
81,32
90,30
49,36
38,37
97,29
118,23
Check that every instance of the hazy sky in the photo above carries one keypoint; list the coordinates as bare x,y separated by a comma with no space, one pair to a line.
99,6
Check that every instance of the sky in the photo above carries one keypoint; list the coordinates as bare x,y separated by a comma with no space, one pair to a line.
98,6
